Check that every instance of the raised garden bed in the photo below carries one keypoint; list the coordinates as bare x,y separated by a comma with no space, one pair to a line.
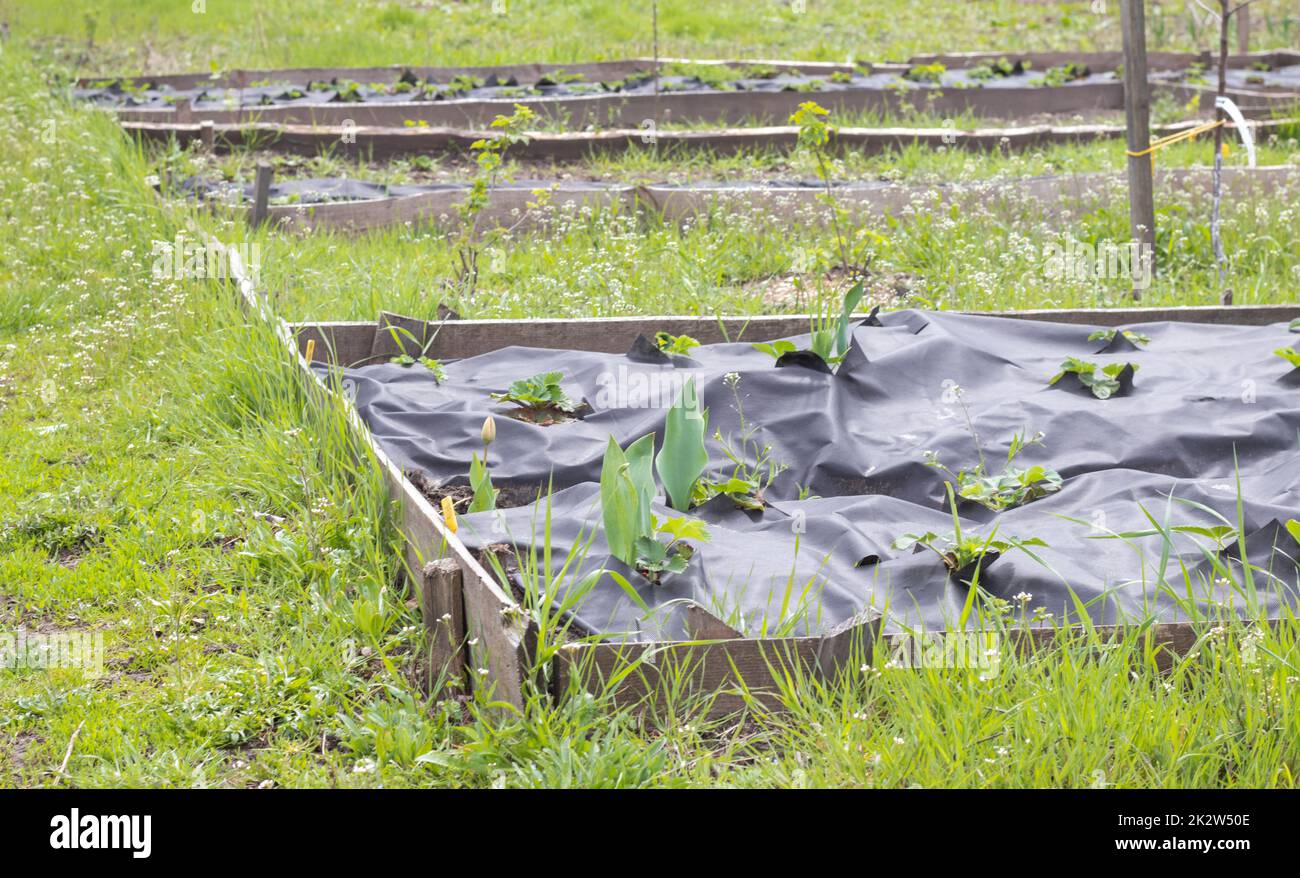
349,205
375,143
624,94
1207,387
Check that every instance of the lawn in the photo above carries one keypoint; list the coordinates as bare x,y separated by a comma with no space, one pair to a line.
167,485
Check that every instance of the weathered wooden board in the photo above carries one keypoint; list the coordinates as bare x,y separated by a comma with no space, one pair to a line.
517,208
442,609
457,339
375,143
486,618
506,208
1251,101
719,668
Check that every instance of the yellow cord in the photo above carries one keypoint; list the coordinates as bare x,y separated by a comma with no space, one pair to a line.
1174,138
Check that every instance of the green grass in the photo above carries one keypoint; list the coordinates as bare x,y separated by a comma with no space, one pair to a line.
166,484
988,254
158,36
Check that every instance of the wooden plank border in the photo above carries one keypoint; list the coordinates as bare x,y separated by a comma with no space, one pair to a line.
499,637
377,143
355,342
512,207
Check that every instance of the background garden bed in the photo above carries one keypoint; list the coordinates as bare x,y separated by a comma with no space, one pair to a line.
287,96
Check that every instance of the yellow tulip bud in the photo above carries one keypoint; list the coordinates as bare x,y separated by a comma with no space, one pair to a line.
489,430
449,514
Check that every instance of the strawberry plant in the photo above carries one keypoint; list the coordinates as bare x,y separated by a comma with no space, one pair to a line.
1001,67
1108,335
654,557
541,398
775,349
932,73
746,493
1057,76
675,344
1291,355
1104,381
965,554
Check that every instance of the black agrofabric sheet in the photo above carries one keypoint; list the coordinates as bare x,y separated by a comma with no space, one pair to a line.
1204,397
323,190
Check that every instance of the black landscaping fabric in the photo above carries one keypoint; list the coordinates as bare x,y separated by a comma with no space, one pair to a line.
1209,403
321,190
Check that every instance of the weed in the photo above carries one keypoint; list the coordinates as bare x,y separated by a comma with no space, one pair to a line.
433,365
1014,486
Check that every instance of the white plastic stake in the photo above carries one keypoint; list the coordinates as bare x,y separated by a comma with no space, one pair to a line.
1243,128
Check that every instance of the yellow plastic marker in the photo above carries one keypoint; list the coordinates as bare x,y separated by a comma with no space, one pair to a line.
449,514
311,349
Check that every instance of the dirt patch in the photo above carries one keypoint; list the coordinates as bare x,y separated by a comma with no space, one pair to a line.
68,558
509,495
797,291
21,743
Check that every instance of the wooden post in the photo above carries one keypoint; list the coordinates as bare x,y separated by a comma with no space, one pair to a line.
184,111
261,194
208,132
1243,29
1137,112
1216,237
442,606
654,30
